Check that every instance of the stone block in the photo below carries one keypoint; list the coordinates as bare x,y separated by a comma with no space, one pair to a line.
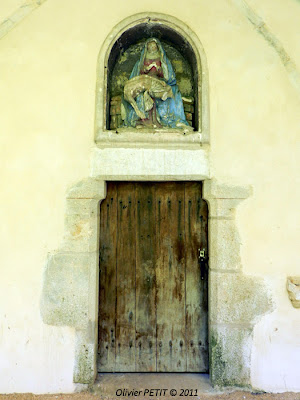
65,295
119,121
212,189
116,99
224,245
81,225
188,108
187,100
83,207
150,164
118,108
230,352
178,66
222,208
89,188
85,370
113,121
237,298
81,233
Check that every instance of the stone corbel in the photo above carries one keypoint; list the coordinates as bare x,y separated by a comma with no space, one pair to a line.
293,288
224,240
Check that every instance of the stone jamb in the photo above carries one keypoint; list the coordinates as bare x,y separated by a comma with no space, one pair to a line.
236,301
170,138
71,277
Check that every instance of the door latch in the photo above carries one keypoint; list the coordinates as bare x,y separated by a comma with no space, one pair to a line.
201,254
203,263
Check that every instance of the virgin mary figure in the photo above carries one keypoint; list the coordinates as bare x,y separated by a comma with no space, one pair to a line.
152,97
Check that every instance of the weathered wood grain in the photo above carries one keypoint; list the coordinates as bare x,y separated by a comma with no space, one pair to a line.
196,306
145,278
125,310
153,303
107,290
170,276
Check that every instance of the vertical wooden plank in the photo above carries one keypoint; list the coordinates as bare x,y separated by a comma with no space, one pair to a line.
145,278
107,279
196,289
170,277
125,310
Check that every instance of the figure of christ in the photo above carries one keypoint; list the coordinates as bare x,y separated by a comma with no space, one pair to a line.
151,87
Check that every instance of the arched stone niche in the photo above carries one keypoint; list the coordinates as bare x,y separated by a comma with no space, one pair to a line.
126,52
186,54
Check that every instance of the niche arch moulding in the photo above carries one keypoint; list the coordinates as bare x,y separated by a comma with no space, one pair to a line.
184,70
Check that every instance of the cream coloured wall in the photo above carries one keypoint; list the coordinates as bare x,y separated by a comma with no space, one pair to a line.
283,20
47,85
9,7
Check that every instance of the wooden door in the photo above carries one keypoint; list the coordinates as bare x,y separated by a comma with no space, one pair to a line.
153,298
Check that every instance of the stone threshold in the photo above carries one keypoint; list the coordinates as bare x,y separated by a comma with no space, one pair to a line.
107,384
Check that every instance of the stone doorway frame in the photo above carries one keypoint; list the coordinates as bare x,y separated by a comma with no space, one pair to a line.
71,283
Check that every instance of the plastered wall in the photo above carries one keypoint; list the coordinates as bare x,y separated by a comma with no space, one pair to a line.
47,85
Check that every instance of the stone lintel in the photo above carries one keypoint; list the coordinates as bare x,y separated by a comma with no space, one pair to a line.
150,164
